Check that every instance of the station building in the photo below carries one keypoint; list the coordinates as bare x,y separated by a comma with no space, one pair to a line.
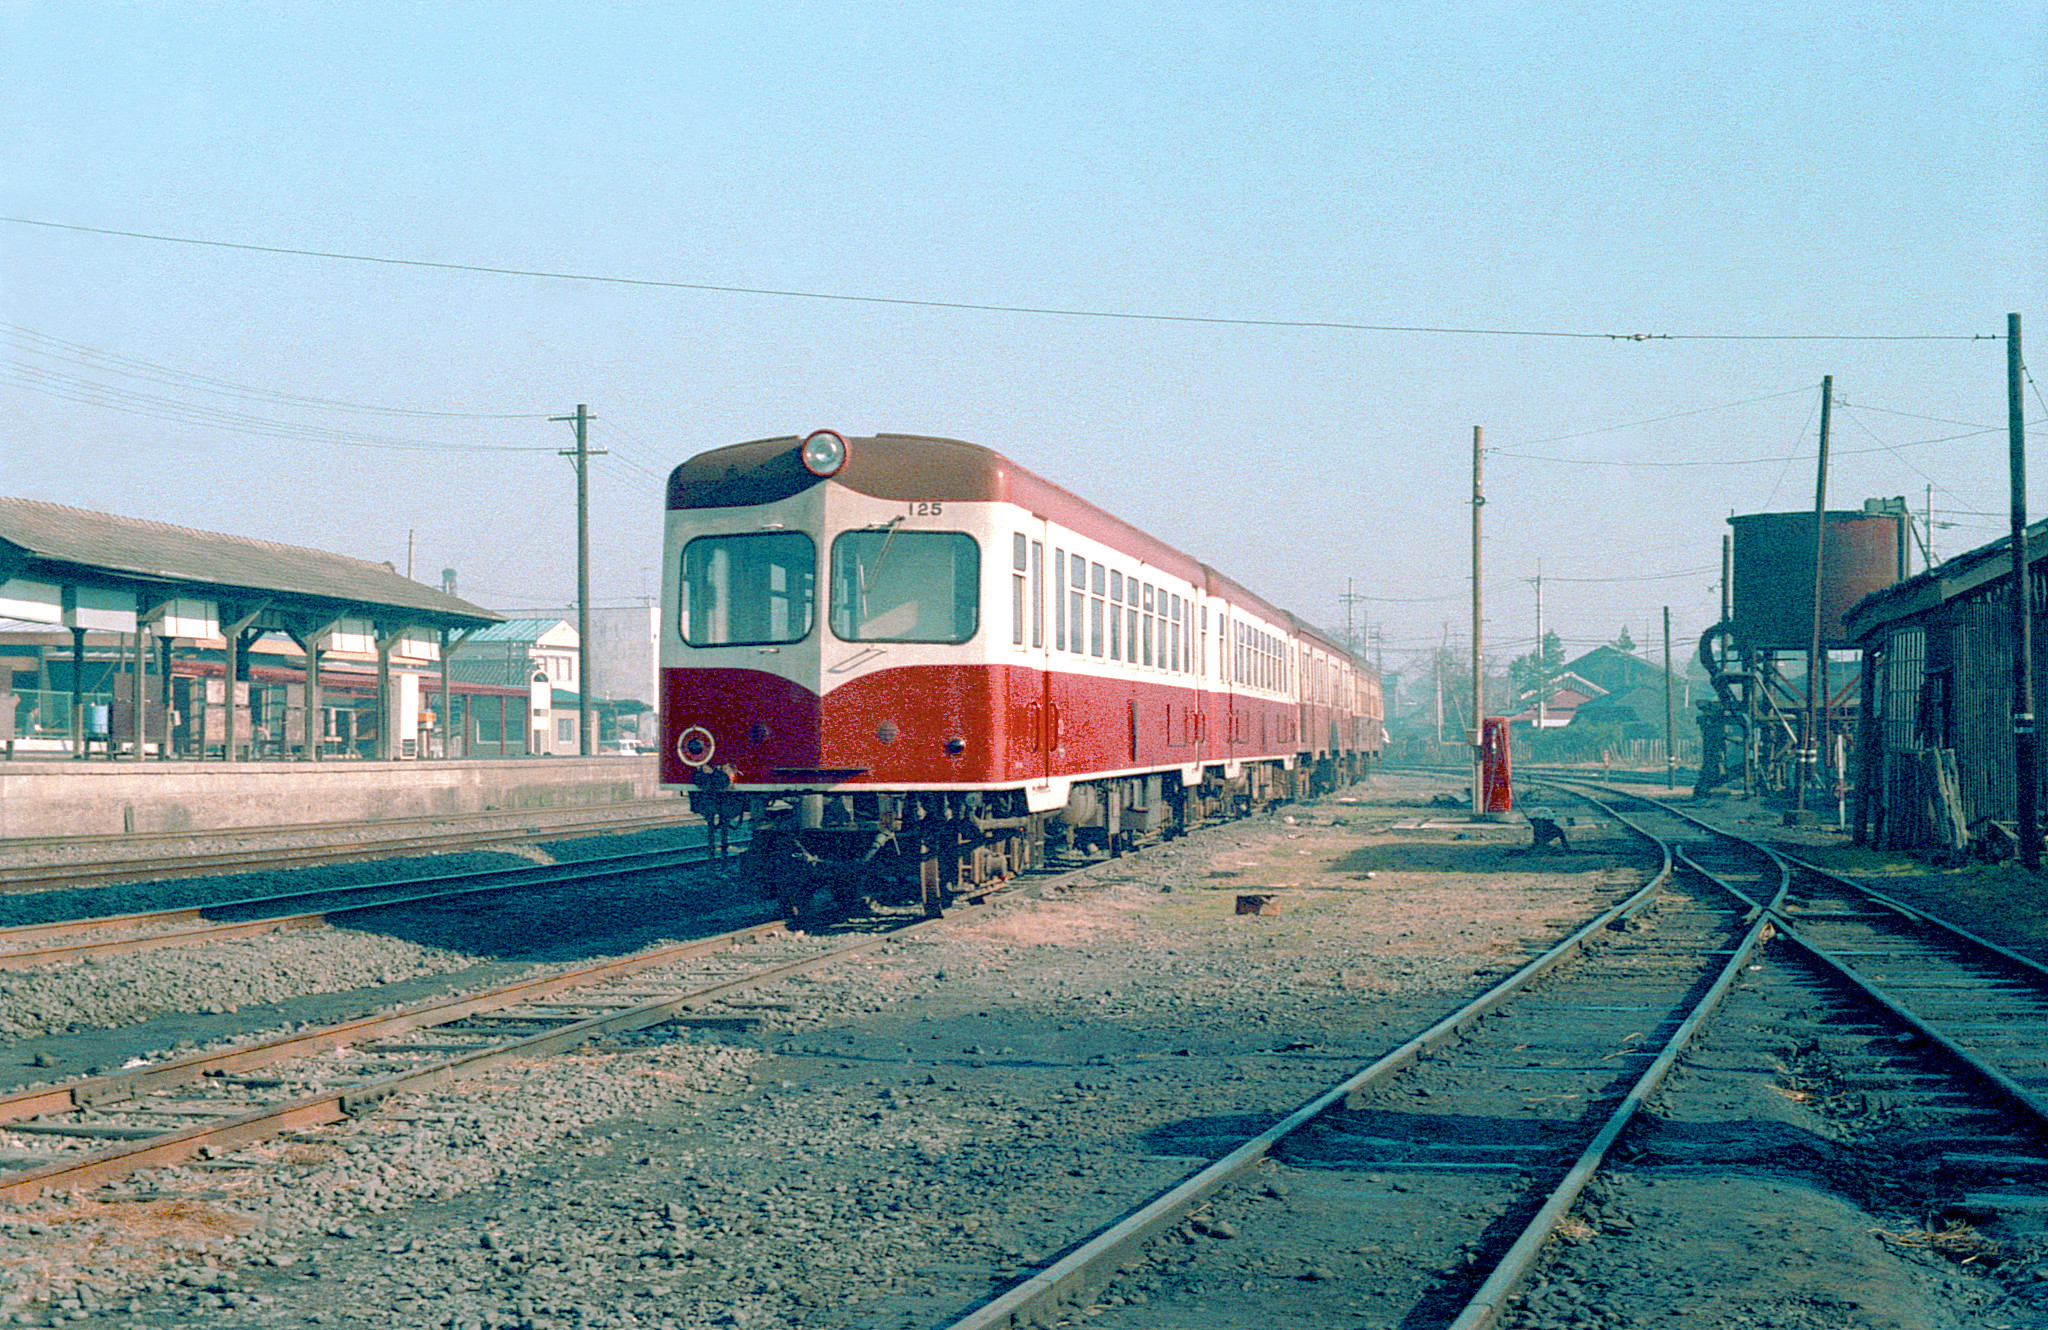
1936,752
167,652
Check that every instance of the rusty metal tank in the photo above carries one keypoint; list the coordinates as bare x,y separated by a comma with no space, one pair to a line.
1772,583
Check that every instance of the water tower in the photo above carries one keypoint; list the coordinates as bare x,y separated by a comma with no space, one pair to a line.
1756,657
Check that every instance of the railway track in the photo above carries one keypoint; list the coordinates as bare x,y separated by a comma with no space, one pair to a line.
65,863
1985,1005
61,941
1469,1145
91,1131
212,1101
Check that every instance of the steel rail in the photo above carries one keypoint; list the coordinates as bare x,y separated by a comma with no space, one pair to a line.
2029,1102
116,1087
19,877
513,879
1086,1265
1924,919
1485,1306
334,1105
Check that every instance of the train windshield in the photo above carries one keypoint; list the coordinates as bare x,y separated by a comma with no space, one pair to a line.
891,585
751,590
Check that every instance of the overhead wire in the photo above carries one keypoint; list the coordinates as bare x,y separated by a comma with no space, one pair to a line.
30,372
71,388
32,342
987,308
1512,449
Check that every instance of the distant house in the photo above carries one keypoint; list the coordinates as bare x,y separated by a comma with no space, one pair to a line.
1631,693
1638,712
1568,692
514,651
1612,670
519,653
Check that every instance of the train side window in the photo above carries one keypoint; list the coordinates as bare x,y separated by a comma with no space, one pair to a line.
1037,594
1100,582
1130,614
1059,599
1116,636
748,590
892,585
1019,560
1175,621
1078,598
1149,631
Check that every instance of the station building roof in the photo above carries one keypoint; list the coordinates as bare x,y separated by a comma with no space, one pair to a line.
527,630
83,569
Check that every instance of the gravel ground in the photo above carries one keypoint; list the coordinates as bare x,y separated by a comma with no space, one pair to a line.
894,1136
80,1018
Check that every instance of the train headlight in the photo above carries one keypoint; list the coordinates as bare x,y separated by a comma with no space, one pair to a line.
695,746
824,452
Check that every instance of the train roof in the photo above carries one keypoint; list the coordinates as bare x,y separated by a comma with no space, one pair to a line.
911,468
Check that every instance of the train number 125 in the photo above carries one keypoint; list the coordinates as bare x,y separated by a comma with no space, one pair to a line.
926,509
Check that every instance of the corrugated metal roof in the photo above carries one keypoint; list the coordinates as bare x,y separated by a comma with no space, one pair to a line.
204,563
517,630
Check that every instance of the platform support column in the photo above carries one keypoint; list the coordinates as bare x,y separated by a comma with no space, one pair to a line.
163,679
77,694
139,690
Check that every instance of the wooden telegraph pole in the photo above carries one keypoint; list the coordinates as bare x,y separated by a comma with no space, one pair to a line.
2026,754
1816,686
1478,660
1670,735
582,454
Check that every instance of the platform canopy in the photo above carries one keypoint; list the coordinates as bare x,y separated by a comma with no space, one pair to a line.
102,573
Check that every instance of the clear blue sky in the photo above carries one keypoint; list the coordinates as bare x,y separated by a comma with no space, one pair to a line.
1742,169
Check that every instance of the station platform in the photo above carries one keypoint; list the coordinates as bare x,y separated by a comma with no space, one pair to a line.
72,798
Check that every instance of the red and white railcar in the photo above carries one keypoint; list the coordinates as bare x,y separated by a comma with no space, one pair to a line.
897,650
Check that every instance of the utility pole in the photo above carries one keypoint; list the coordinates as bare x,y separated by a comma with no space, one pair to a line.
1478,660
1350,598
1670,737
582,454
1816,687
1442,652
1542,660
2026,767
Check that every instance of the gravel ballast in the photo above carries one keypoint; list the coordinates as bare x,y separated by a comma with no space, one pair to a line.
895,1134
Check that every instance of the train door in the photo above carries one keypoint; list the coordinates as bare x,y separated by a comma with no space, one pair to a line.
1033,594
1233,717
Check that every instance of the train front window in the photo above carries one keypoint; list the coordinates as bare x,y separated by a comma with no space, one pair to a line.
892,585
751,590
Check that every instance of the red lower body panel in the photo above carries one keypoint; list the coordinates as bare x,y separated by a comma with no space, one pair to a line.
937,725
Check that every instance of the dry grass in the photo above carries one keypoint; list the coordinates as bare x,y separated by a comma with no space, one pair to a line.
130,1240
1959,1242
1576,1230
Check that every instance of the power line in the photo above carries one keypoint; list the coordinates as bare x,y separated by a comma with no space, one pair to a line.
32,342
1327,324
1643,577
1509,449
86,392
1750,461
